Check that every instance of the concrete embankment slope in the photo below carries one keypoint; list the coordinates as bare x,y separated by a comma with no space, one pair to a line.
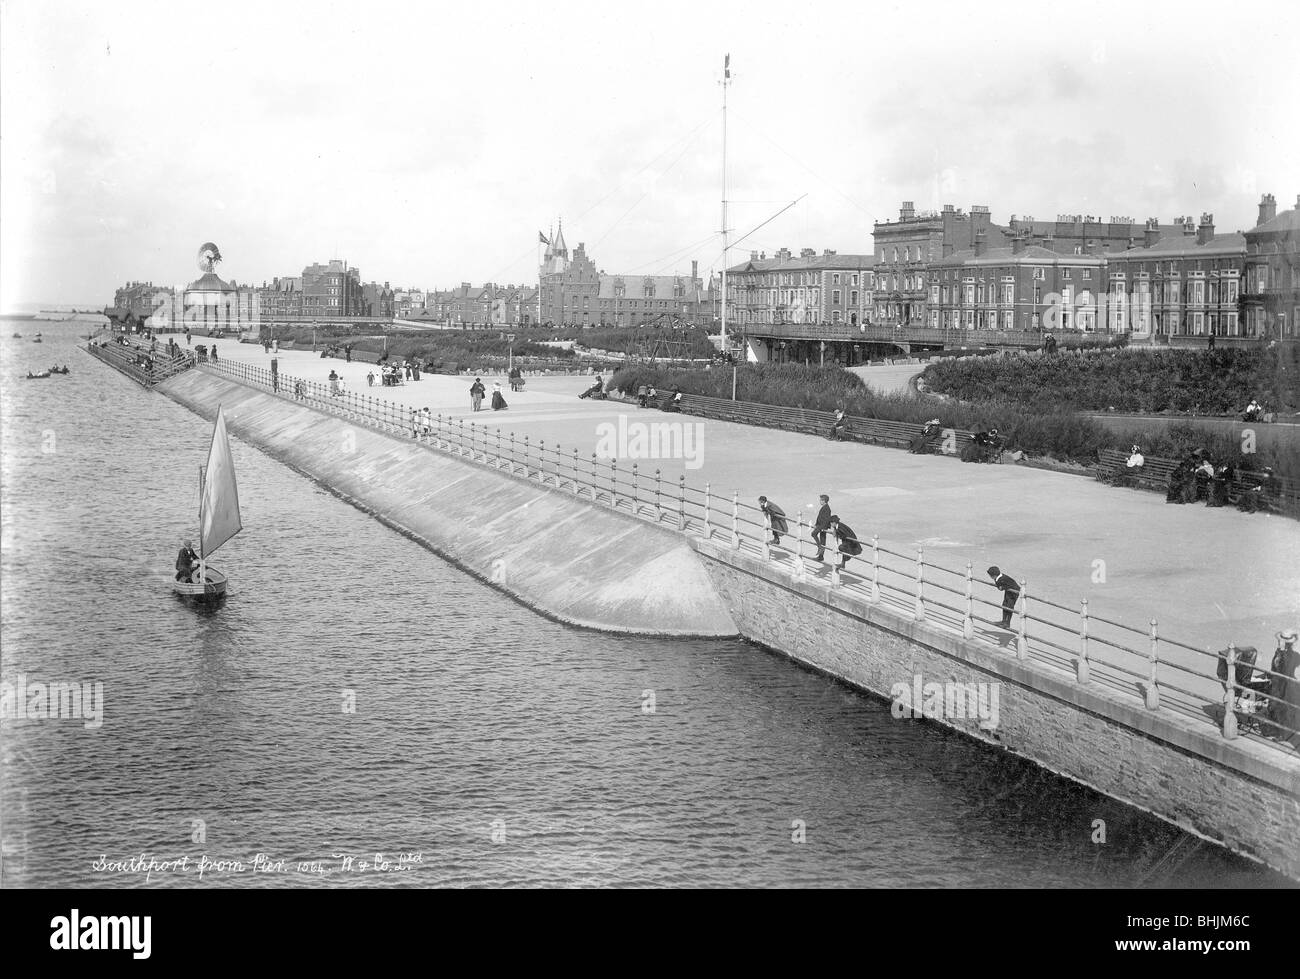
577,563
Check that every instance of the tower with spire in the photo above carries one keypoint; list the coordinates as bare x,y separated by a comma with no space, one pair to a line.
556,259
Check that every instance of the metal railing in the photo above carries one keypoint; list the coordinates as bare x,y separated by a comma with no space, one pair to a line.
1070,641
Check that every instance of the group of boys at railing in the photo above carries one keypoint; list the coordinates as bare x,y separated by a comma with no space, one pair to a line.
1069,639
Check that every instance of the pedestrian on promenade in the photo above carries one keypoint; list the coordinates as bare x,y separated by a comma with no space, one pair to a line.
370,379
1284,690
275,347
476,392
298,393
334,382
849,545
1010,589
347,353
775,517
266,346
426,421
406,366
214,353
498,402
822,526
187,336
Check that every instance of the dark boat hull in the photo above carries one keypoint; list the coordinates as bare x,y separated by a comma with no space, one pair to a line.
213,589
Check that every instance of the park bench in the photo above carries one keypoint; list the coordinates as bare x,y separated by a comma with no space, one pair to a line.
809,421
1155,473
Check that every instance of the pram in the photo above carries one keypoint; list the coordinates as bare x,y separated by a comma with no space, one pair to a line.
1249,692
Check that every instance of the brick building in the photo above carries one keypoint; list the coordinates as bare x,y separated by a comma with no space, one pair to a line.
573,292
282,297
1271,293
809,288
332,289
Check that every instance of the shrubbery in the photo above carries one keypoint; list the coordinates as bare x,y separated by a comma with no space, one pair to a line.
1211,382
1055,434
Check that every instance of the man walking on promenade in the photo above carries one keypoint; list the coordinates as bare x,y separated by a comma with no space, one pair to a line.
1010,589
822,526
775,517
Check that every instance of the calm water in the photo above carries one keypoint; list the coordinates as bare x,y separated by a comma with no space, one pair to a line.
502,748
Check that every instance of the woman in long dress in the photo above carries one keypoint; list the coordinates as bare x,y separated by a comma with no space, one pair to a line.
498,402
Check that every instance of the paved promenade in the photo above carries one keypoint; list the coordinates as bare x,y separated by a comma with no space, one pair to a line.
1210,576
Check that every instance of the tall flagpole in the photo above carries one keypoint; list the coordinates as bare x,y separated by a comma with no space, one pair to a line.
726,80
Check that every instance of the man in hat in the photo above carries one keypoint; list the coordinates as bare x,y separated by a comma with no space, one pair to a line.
1010,589
1284,692
776,518
822,526
186,561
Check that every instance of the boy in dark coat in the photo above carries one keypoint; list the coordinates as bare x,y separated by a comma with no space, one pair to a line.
822,526
776,516
1010,589
850,546
186,561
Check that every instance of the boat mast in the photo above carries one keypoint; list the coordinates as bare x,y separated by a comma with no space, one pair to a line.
202,561
726,81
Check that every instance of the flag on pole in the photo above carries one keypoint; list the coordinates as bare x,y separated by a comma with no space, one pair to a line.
726,67
543,239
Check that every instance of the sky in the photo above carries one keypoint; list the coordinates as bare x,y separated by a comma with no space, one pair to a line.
427,143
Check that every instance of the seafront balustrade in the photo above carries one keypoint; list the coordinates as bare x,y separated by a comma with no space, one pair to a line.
1136,663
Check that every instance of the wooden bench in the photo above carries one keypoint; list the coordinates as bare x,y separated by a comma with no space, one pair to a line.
1153,474
810,421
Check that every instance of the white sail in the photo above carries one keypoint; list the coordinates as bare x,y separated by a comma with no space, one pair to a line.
219,502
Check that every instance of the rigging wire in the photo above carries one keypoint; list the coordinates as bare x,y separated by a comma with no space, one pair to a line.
643,196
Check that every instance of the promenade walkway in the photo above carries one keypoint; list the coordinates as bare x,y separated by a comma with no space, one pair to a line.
1210,576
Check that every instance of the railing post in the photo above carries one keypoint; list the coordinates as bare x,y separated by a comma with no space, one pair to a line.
659,506
1230,694
797,567
767,536
1153,691
918,610
595,480
541,461
613,483
875,567
968,620
681,502
527,473
512,453
577,487
708,505
1022,642
1082,669
735,520
636,498
499,458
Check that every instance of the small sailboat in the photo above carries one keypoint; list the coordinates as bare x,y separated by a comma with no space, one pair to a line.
218,516
36,339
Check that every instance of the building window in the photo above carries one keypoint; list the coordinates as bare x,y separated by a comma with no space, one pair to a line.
1040,273
1065,273
1087,274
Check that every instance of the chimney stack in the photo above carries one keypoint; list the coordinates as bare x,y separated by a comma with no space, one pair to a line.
1018,245
980,243
695,269
1206,231
1152,233
1267,209
753,256
907,211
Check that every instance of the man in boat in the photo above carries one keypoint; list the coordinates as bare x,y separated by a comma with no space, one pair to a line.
186,562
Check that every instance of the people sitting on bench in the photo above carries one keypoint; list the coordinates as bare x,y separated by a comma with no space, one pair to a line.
1220,487
1204,473
597,390
1132,468
921,443
984,447
1261,496
1181,487
1253,411
675,402
838,426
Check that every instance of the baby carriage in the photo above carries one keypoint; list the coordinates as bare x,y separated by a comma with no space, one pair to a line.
1249,693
